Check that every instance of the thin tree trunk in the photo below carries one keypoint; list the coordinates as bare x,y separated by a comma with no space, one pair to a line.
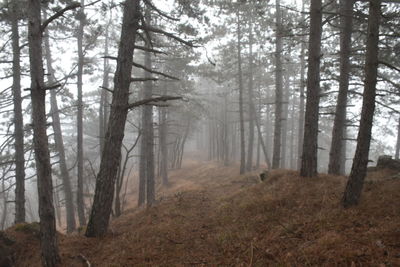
250,146
48,237
80,200
360,162
285,121
110,160
104,94
310,142
164,146
18,121
276,157
300,134
240,81
339,127
396,156
59,143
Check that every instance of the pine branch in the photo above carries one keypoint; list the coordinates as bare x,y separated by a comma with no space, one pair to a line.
390,66
168,34
143,79
154,71
155,51
59,14
152,100
161,13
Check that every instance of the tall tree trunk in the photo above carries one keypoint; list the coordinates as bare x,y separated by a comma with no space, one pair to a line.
360,162
146,169
110,160
240,81
59,143
300,134
18,121
310,143
276,157
79,195
104,93
48,237
339,124
285,121
292,135
164,146
250,146
397,153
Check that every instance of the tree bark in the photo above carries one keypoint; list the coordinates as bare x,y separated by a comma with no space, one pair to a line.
396,156
79,195
59,143
250,146
164,146
360,162
276,157
241,111
300,134
310,142
48,237
339,124
18,121
110,160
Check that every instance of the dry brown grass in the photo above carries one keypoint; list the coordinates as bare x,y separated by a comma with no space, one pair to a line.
210,216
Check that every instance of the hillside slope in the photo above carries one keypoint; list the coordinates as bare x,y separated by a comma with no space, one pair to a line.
210,216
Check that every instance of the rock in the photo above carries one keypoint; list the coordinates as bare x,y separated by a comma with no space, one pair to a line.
386,162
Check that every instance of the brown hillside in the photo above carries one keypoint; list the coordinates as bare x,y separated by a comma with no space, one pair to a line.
210,216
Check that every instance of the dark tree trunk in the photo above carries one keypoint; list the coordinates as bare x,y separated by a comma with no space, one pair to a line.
250,146
48,237
110,160
104,94
276,156
360,162
285,121
79,195
59,143
164,146
310,141
300,133
396,156
18,121
241,111
339,124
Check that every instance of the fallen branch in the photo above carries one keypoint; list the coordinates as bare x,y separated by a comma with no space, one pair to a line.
85,260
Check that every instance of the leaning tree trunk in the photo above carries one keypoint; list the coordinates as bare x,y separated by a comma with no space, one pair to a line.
339,124
48,237
240,81
310,142
18,121
110,160
79,194
276,156
360,162
59,143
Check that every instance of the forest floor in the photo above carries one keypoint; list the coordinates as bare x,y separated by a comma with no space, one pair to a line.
211,216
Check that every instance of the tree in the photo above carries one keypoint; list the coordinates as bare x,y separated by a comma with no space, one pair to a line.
310,141
110,158
48,237
276,155
360,162
80,202
58,139
339,124
18,117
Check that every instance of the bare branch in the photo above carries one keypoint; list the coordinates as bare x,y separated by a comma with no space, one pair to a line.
161,13
153,71
152,100
143,79
390,66
155,51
